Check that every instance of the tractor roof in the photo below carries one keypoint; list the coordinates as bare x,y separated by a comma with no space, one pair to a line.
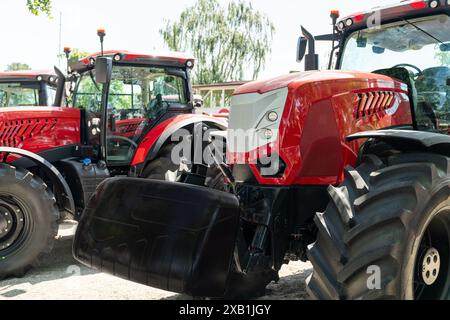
26,74
176,59
48,76
406,9
295,80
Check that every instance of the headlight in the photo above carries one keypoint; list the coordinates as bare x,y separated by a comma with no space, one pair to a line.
272,116
190,64
268,134
434,4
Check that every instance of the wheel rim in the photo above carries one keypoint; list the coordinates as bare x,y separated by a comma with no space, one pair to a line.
431,272
12,223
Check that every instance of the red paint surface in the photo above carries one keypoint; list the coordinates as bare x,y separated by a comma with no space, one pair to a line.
26,73
152,137
320,97
130,56
39,128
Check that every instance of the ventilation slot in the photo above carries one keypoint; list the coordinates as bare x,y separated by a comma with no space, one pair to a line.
14,133
370,103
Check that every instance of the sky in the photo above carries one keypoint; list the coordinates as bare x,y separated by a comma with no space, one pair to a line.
134,25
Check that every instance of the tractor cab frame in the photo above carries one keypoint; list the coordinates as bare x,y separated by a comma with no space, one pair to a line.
123,96
29,88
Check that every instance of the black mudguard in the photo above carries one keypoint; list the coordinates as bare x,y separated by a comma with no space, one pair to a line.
170,236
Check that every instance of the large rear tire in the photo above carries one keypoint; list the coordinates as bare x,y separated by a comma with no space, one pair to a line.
28,221
386,232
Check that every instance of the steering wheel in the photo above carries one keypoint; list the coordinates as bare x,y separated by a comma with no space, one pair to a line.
156,107
134,144
419,71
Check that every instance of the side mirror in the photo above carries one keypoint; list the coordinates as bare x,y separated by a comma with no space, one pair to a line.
103,69
59,96
378,50
301,48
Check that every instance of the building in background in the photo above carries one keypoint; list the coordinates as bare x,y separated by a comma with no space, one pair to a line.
217,95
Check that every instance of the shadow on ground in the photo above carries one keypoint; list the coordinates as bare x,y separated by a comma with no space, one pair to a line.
291,287
60,276
59,265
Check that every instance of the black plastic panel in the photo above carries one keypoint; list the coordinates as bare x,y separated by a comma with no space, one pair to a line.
171,236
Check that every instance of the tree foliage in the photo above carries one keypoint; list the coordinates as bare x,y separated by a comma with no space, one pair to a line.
443,58
17,66
40,6
226,41
75,55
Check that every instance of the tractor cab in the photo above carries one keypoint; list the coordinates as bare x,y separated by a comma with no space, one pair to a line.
410,42
28,88
139,92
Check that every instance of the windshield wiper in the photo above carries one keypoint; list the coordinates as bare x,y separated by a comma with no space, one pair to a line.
424,31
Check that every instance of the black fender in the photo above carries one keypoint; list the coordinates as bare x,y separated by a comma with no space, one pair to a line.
409,139
63,195
166,135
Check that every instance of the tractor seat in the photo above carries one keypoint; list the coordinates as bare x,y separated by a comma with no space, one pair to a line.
425,116
432,86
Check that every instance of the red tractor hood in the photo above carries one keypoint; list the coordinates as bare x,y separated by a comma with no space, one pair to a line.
39,129
298,79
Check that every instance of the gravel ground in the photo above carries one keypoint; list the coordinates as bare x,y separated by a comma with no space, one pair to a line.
61,277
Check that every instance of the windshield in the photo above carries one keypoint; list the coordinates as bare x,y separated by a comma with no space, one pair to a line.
419,42
422,46
19,94
138,98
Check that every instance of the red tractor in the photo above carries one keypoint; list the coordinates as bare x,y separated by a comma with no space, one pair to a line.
28,88
347,169
125,109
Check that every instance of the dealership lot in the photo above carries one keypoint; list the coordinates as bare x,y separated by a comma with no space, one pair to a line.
61,277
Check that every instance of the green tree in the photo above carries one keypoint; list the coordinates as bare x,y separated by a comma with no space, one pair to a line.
226,41
75,56
443,58
17,66
40,6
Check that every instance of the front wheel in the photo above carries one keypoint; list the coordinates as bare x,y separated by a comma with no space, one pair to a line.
28,221
165,169
386,232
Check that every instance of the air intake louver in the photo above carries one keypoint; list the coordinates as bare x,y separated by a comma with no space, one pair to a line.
370,103
13,133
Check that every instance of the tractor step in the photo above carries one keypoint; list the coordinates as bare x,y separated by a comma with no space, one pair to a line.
172,236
